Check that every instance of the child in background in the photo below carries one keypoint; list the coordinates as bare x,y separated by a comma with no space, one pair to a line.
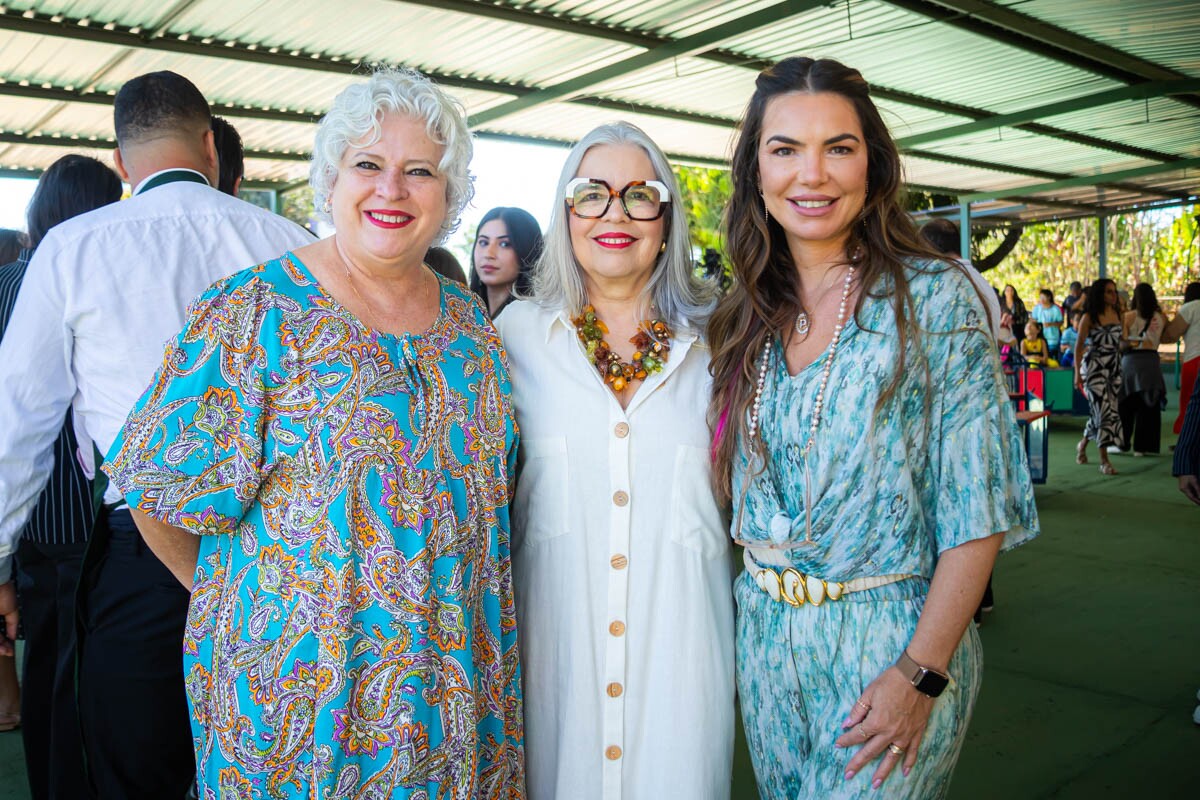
1066,345
1034,346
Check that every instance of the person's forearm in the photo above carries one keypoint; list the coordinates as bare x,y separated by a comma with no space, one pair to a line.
176,548
958,583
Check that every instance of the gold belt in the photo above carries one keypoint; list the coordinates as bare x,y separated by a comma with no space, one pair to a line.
789,586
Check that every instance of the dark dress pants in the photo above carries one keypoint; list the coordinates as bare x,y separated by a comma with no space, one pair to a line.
47,575
133,710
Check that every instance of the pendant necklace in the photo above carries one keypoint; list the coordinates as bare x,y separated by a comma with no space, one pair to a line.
368,324
802,321
818,405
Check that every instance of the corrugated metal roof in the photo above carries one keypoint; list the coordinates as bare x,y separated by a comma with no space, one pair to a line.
930,70
1161,31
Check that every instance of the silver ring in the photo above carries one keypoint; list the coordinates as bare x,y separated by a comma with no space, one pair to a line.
895,749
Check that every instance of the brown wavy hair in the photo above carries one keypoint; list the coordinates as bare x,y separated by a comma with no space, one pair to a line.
764,298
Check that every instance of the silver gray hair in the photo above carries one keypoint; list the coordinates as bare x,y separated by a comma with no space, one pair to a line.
355,117
678,296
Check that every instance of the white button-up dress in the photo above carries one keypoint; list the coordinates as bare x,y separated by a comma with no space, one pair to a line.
622,574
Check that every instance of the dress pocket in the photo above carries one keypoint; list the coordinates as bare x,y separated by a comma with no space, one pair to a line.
696,519
539,509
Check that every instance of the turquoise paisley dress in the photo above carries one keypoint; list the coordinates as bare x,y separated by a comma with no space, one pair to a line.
940,463
352,628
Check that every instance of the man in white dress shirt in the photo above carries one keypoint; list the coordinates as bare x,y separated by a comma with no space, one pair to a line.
103,294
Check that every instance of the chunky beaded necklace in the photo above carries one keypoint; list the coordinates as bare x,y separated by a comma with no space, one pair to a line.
653,343
818,405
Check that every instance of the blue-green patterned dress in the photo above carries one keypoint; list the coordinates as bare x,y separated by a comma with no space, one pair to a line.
352,628
939,465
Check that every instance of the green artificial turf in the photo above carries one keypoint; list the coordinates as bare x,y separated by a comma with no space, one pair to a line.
1092,654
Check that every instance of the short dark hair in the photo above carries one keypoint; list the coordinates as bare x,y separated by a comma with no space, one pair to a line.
942,235
1075,286
158,104
230,155
1191,292
71,186
12,242
1047,293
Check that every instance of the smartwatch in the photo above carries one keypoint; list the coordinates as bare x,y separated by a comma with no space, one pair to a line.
925,680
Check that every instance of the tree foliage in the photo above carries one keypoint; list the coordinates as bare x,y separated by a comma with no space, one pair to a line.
705,193
297,205
1158,247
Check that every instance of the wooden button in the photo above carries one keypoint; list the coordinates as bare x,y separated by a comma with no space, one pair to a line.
622,430
615,689
621,498
619,561
617,627
612,752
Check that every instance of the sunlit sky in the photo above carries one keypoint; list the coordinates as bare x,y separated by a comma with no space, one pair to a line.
506,174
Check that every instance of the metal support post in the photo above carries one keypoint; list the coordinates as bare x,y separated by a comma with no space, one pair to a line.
1103,221
964,228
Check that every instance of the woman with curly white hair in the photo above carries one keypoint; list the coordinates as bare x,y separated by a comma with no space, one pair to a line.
621,562
328,445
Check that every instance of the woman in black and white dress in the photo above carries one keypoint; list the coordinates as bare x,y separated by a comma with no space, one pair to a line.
1098,372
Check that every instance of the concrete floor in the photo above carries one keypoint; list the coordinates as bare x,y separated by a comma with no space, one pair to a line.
1093,651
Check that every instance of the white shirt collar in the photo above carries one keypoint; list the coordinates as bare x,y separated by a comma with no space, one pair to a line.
151,177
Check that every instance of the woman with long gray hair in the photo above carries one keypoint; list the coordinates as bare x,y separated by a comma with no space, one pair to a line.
621,567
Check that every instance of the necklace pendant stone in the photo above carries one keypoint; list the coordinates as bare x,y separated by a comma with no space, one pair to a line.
802,323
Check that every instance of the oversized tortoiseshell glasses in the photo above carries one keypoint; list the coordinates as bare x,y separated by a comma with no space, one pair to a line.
590,198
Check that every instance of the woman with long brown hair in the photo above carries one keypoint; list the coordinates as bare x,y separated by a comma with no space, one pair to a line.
863,434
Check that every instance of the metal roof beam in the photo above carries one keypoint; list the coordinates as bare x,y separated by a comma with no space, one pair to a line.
1034,173
124,36
1041,38
20,172
944,190
97,143
961,110
537,18
1090,180
70,28
687,46
993,166
105,143
1138,91
62,94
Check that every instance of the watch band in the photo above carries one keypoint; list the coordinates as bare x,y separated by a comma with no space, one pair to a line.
925,680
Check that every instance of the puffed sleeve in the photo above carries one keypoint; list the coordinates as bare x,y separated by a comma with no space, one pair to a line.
191,453
978,480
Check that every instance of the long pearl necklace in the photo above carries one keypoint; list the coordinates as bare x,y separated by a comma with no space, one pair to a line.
818,405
